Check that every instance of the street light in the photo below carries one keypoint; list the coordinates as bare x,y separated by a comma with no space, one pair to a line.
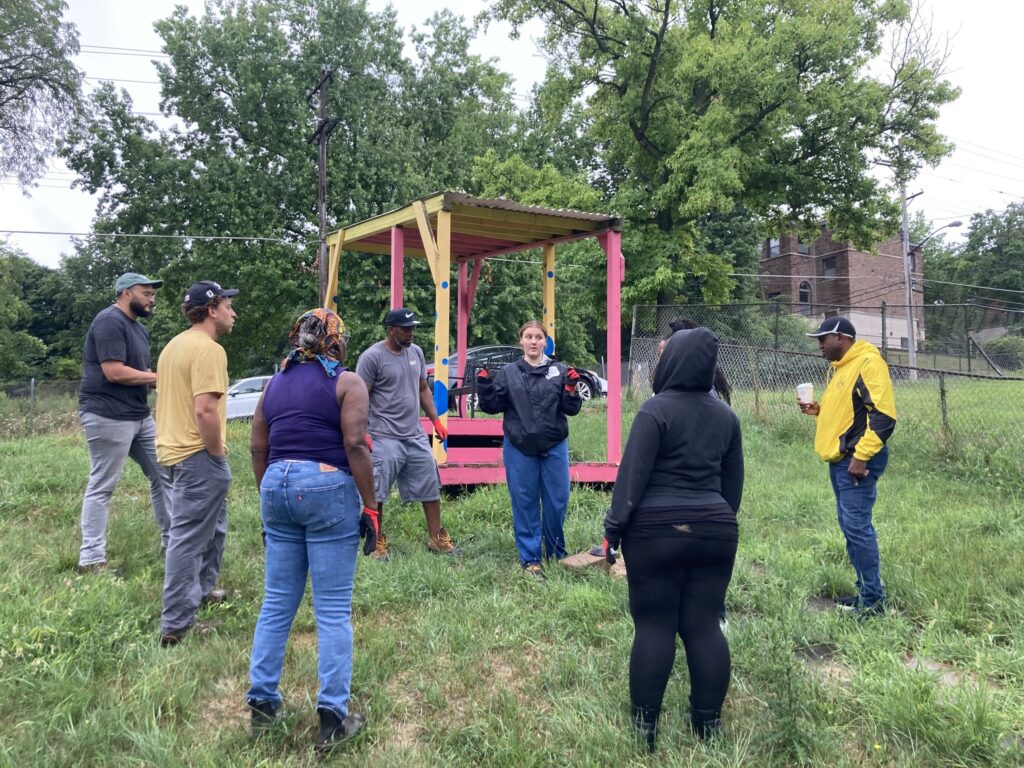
908,288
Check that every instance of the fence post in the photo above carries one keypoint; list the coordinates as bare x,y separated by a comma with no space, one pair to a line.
942,405
885,336
32,405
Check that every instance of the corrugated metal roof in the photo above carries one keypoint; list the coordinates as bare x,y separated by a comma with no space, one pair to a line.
504,204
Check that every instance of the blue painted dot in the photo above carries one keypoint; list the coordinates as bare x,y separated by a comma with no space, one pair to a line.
335,300
444,283
551,274
549,346
444,361
545,310
435,347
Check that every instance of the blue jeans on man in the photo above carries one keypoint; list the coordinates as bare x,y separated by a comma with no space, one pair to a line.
311,518
855,499
533,482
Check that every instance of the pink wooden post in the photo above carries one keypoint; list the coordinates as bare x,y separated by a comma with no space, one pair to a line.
397,266
611,243
462,322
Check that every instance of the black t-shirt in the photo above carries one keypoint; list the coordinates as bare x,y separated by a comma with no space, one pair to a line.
114,336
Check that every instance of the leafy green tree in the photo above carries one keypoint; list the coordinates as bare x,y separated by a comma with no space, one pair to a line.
21,353
700,108
239,163
39,86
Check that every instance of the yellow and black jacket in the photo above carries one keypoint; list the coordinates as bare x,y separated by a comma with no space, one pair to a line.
858,410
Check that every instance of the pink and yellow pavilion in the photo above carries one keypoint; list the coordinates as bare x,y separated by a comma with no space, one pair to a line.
452,227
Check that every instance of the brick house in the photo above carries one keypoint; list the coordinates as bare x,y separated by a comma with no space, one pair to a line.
825,277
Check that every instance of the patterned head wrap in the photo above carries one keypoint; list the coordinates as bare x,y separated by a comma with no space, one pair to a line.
316,336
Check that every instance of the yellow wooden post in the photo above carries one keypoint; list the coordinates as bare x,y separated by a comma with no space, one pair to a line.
549,297
442,323
335,243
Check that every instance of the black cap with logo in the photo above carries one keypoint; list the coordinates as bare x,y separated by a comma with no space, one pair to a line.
838,325
201,294
401,318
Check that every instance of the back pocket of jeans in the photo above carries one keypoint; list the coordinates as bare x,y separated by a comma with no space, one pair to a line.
322,507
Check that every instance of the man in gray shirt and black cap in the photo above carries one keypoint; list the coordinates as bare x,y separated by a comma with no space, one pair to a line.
395,373
113,403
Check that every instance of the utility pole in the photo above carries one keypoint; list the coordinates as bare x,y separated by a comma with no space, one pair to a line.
908,270
322,133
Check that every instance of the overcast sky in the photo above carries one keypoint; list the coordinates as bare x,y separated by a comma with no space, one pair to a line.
986,171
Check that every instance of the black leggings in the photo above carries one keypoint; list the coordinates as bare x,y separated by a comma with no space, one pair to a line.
677,584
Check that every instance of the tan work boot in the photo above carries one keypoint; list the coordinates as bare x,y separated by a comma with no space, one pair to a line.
381,551
442,543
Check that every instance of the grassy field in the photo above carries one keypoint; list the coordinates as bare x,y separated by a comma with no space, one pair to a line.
469,662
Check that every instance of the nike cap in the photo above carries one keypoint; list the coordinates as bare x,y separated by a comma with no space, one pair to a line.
838,325
401,318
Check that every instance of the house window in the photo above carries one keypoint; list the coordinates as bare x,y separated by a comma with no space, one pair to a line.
828,266
802,247
773,247
805,298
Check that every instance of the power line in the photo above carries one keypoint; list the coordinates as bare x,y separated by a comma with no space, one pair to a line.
151,236
990,149
109,50
122,80
968,285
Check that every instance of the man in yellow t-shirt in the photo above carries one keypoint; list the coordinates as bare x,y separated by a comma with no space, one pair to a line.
191,427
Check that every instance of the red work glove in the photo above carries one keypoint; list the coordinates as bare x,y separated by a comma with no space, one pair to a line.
483,374
369,529
572,378
369,442
440,429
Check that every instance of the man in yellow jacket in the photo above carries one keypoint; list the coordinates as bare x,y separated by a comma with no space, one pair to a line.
854,419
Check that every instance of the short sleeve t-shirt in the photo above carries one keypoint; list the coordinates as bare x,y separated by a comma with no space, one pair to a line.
191,364
113,336
394,380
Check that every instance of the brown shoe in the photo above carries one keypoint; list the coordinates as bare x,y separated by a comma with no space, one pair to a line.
175,636
381,552
442,543
99,567
216,597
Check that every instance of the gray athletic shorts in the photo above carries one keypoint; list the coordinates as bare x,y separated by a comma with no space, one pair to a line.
410,461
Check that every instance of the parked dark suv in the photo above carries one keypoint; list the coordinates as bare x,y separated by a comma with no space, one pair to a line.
462,398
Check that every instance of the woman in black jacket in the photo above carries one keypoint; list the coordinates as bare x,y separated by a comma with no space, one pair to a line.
535,394
674,511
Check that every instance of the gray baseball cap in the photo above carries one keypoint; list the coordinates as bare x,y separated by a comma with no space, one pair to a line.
129,279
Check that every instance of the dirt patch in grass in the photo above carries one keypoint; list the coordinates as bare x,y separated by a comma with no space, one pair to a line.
222,709
821,604
822,660
946,675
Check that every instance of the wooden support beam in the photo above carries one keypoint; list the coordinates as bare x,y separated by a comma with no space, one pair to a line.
397,266
442,320
548,281
427,236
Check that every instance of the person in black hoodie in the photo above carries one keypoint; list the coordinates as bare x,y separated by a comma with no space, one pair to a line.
536,395
673,510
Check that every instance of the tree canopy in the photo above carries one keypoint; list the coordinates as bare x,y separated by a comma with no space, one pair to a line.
780,110
39,86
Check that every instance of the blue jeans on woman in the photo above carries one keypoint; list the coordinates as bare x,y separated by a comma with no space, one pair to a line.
854,503
533,481
311,520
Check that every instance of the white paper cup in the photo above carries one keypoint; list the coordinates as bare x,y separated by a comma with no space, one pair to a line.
805,393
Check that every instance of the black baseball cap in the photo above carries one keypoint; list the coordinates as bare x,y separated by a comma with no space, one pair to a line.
401,318
838,325
202,293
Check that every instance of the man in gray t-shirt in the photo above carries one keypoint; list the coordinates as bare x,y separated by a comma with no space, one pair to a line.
395,373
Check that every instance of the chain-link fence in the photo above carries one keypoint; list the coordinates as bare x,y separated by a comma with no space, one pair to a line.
973,419
33,405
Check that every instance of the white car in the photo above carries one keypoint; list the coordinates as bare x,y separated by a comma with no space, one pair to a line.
243,396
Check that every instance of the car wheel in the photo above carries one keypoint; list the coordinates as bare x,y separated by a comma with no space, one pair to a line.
584,389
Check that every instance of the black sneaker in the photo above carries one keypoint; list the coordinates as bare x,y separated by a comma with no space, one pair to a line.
334,730
865,612
264,715
847,601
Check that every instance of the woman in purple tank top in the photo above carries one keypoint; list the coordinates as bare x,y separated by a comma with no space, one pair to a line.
312,465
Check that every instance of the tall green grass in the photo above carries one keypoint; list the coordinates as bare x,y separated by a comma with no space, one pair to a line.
469,662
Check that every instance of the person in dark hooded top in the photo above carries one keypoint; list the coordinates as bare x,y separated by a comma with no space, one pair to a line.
673,511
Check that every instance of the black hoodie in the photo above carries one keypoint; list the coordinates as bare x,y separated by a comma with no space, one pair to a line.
683,461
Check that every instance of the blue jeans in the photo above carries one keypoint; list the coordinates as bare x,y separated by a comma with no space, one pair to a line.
533,480
311,519
854,502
